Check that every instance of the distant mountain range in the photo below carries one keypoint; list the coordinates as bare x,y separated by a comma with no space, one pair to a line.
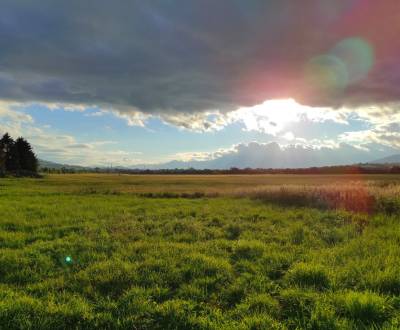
256,155
394,159
58,166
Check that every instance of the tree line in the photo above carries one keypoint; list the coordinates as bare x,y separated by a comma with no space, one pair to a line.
17,157
345,169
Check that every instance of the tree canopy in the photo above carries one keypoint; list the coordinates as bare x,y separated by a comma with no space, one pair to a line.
17,156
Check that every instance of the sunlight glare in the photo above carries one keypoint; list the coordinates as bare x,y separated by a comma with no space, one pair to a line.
273,116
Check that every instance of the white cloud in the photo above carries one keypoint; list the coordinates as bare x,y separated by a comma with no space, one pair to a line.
383,124
8,111
289,136
270,117
54,146
274,115
96,114
71,107
197,122
67,149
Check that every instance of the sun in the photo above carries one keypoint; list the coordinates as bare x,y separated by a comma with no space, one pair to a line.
272,116
281,111
275,116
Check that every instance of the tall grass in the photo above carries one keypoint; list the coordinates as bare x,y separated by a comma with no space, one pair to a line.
364,197
83,252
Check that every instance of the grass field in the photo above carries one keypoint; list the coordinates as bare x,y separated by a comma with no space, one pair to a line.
200,252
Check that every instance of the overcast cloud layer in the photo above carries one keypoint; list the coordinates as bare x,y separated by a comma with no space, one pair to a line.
189,56
319,77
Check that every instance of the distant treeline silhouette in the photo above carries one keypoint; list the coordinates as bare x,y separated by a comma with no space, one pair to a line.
17,157
346,169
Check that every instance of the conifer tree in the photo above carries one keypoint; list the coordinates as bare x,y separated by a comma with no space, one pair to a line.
8,154
27,158
16,156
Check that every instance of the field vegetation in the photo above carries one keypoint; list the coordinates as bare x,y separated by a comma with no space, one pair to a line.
89,251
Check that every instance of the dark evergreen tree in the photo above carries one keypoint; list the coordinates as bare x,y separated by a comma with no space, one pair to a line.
27,158
6,142
3,155
16,156
10,160
2,162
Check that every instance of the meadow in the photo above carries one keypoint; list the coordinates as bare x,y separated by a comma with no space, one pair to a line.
86,251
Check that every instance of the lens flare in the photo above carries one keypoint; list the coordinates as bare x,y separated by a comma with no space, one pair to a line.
348,62
358,56
68,260
326,72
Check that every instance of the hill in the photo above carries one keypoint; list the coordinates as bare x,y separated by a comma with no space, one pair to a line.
394,159
57,166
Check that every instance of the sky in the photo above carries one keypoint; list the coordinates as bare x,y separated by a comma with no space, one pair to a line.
205,83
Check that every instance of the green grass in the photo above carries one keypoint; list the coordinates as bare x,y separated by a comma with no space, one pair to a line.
206,252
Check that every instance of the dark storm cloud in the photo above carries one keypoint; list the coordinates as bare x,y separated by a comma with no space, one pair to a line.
188,56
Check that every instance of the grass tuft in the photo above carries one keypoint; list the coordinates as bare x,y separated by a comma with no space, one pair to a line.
308,275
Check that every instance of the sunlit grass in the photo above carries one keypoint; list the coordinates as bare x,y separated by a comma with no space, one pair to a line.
223,252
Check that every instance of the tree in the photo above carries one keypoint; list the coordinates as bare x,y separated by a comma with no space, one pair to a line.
2,160
8,153
12,162
16,156
27,158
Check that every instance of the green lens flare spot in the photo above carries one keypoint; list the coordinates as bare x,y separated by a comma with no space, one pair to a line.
68,260
326,72
358,55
